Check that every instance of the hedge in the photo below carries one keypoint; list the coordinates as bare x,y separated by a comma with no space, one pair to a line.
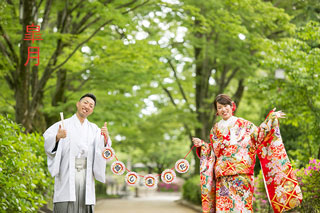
192,190
25,183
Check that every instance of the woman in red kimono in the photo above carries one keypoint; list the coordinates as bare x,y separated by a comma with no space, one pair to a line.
227,163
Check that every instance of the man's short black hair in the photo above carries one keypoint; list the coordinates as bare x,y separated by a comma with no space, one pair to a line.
90,96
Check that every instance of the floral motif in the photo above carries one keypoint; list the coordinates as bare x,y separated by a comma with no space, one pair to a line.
224,191
279,177
206,207
279,191
203,179
224,203
230,169
230,150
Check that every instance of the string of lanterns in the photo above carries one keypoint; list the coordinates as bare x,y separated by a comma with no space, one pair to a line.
150,181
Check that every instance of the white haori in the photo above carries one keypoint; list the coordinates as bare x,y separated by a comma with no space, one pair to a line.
61,163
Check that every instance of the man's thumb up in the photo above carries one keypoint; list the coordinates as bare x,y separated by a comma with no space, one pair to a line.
104,129
62,133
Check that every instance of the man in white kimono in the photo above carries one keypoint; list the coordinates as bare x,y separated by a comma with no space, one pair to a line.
74,155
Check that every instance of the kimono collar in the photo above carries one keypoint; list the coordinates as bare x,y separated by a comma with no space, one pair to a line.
77,121
228,123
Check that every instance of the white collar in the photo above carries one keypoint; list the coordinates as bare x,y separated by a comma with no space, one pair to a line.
76,119
227,123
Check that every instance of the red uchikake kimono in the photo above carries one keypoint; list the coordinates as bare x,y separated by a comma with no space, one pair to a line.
227,166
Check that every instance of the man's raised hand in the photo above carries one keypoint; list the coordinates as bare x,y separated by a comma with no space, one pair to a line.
62,133
104,129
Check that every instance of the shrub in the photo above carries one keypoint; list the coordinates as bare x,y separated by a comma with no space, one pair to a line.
25,182
309,179
163,187
191,190
260,199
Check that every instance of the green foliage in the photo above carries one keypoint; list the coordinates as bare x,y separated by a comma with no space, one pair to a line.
309,179
217,53
302,11
192,190
111,62
260,199
25,184
298,94
160,139
224,22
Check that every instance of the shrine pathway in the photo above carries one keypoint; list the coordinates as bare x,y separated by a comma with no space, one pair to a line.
152,201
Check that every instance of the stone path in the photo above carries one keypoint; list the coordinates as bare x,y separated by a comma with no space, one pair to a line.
154,202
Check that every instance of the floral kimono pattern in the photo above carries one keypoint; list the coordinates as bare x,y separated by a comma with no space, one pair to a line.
227,166
234,193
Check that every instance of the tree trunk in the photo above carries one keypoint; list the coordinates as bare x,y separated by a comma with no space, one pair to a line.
58,96
22,80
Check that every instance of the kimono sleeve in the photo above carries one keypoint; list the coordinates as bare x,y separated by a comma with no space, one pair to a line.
50,139
53,155
207,176
281,184
99,163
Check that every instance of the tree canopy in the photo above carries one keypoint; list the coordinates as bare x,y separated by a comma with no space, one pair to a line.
156,67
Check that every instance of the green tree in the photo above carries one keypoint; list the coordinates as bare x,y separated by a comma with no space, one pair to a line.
161,141
302,11
67,27
298,91
217,54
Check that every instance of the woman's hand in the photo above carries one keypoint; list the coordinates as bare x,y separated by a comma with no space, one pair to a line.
279,114
197,141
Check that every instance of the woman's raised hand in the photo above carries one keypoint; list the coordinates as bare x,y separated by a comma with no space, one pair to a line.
279,114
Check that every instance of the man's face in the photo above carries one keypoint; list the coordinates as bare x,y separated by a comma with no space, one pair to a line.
224,111
85,107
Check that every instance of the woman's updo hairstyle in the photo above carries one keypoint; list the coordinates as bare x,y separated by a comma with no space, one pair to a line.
222,99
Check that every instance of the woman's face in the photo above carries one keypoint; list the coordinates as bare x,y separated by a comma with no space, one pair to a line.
225,111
